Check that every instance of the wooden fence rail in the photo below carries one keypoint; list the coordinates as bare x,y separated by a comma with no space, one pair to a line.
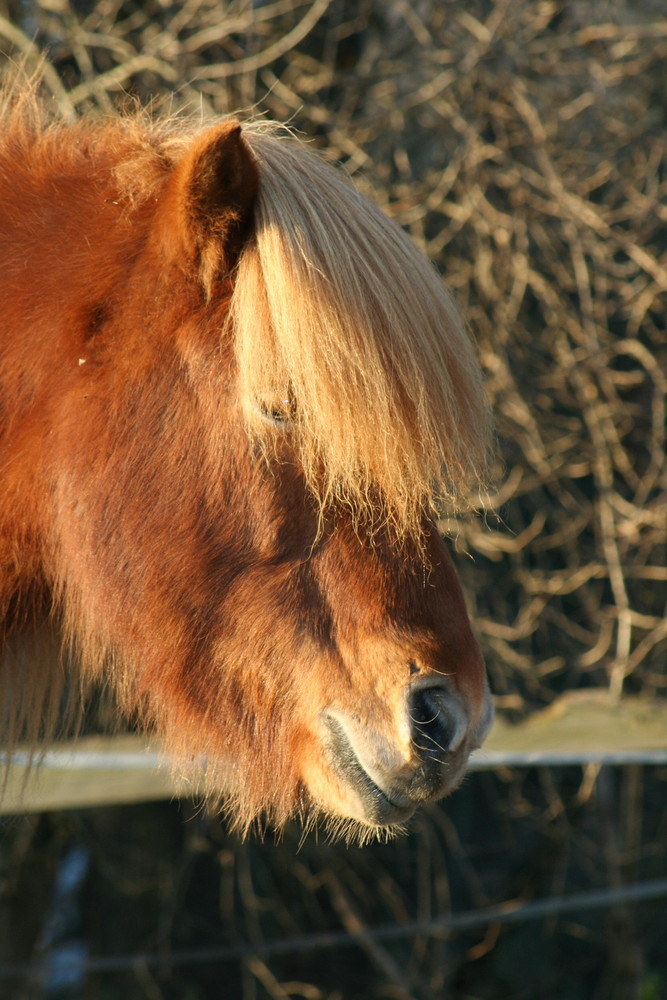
580,728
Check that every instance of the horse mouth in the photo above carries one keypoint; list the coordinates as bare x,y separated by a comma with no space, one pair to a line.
379,808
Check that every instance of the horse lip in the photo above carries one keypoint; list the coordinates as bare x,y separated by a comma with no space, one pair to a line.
381,810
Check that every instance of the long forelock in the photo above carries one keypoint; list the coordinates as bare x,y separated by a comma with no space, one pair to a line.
335,307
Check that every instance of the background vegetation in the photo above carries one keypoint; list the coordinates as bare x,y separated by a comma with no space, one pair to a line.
523,145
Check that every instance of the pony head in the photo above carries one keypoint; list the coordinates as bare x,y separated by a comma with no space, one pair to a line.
238,394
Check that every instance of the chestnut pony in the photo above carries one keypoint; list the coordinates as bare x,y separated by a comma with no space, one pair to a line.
230,388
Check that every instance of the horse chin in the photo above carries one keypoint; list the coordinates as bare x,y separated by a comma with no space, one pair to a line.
361,802
344,788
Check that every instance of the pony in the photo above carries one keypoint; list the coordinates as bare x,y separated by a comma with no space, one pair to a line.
234,396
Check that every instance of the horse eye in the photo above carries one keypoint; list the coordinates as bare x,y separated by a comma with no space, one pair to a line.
278,411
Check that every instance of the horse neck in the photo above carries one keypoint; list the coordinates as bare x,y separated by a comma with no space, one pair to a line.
67,241
70,238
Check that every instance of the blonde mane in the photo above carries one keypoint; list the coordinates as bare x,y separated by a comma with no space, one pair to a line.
336,309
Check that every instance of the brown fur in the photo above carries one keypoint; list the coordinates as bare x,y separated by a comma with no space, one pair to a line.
232,577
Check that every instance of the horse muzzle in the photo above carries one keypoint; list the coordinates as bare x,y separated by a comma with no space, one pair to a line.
386,779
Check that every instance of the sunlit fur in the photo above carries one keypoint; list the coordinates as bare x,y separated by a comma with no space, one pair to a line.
226,576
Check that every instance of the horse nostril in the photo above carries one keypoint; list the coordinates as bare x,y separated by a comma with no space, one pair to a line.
433,727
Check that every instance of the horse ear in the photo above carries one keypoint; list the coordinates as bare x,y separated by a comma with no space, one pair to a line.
213,191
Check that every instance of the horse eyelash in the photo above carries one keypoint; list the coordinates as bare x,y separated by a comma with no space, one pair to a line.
281,414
